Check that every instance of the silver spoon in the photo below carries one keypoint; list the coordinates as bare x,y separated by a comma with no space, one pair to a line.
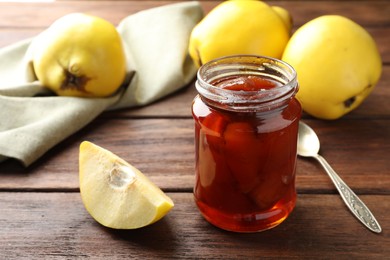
309,146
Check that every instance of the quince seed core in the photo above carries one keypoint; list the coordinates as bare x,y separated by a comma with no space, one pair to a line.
122,176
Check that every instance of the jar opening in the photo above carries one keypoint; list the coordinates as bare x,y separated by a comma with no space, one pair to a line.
229,67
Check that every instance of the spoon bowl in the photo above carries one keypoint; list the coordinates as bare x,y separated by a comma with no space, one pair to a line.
309,146
308,142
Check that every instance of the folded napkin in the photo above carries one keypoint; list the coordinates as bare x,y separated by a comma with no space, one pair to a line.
32,120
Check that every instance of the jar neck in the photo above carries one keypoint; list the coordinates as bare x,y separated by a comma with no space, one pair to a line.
247,100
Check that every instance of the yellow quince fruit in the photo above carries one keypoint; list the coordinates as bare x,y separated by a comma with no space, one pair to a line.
285,16
240,27
115,193
337,62
80,55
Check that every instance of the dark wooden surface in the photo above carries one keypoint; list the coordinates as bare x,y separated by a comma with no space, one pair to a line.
42,216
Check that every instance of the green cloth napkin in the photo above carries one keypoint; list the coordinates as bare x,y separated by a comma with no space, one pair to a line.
32,121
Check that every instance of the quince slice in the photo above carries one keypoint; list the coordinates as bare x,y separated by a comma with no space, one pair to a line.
116,194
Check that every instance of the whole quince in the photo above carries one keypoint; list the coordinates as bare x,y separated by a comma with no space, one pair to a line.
240,27
337,62
80,55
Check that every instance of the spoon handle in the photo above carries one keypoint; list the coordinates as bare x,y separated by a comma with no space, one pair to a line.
357,207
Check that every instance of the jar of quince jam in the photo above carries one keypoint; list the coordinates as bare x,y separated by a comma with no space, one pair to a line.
246,129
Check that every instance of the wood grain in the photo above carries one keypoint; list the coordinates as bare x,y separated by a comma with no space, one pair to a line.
14,26
41,14
56,225
377,105
164,150
42,216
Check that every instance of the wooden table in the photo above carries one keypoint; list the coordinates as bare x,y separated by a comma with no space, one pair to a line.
42,216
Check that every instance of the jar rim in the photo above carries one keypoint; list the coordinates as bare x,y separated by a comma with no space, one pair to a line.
238,65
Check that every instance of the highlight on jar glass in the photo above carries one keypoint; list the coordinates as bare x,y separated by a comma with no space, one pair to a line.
246,129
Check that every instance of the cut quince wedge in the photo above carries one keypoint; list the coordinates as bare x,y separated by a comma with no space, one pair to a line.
116,194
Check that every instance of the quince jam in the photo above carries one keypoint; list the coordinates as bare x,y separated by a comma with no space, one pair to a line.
245,160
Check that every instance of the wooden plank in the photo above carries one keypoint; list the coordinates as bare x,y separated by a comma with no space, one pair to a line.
42,215
363,12
56,225
382,40
10,36
42,14
377,105
164,150
357,150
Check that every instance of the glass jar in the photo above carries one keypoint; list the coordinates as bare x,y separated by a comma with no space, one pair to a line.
246,129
